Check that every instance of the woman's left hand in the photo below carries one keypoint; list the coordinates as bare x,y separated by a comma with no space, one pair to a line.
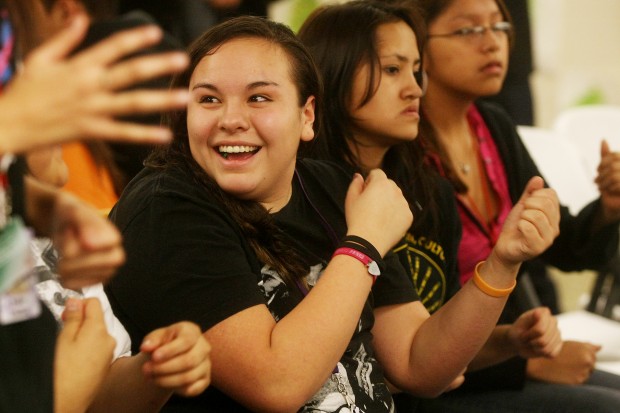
608,182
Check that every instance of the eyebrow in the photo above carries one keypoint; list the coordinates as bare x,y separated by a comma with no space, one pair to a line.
253,85
402,58
474,16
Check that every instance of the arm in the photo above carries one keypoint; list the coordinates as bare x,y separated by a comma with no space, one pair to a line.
435,350
89,245
296,355
174,359
57,98
83,355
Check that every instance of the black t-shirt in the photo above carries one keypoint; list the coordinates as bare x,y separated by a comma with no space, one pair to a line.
27,365
188,260
430,258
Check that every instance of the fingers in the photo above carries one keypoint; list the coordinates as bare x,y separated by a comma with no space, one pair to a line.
90,267
533,184
93,313
540,219
72,317
457,382
605,150
180,358
62,44
542,210
356,186
538,333
608,177
139,69
169,342
140,101
377,211
120,45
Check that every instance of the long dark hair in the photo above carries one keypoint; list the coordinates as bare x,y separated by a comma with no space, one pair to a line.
431,10
342,38
267,241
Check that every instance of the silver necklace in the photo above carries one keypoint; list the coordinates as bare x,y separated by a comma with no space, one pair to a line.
465,168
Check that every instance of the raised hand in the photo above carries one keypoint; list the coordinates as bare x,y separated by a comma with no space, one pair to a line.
179,358
535,334
531,226
608,182
58,97
377,210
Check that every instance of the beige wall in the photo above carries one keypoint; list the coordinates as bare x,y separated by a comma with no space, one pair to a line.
576,52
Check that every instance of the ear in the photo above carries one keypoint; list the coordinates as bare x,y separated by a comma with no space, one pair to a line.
64,11
307,114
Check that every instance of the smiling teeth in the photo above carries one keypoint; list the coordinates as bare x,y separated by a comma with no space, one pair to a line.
237,149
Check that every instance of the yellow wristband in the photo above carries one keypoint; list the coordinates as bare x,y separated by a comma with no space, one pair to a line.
487,289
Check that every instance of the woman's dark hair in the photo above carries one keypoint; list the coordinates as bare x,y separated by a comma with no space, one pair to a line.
267,241
431,10
342,38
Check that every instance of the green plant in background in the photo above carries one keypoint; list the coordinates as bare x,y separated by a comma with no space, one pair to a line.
300,9
593,96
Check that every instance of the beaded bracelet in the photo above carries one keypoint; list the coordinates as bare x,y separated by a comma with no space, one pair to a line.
487,289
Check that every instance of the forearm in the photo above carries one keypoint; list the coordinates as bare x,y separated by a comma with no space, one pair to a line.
296,355
450,339
497,349
18,126
40,203
126,390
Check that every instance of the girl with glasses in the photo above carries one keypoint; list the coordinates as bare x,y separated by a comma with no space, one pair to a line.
476,147
373,84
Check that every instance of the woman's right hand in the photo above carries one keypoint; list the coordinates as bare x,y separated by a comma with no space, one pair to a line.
377,211
536,334
531,226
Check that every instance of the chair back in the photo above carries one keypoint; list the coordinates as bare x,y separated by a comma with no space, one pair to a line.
562,166
586,127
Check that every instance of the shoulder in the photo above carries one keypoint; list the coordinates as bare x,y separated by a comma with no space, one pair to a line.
162,192
324,176
324,171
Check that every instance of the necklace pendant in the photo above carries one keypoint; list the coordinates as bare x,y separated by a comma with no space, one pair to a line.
465,168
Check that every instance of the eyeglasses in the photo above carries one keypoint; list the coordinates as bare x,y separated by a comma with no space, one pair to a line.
475,33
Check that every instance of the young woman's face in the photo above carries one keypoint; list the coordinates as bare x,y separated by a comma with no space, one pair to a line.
472,65
244,120
391,116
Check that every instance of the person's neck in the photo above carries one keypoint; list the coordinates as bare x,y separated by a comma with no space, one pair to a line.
368,156
447,113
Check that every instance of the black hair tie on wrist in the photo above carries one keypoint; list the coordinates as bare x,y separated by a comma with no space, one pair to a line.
360,244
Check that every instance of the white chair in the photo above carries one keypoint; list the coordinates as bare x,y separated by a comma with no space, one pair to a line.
561,165
587,126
